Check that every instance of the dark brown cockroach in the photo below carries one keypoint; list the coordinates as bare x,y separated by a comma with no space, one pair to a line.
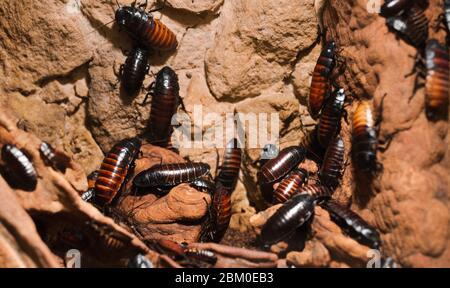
203,185
104,240
289,185
318,191
165,246
92,177
333,164
165,93
229,170
411,26
320,83
132,73
311,144
352,224
89,194
56,159
293,214
166,175
218,219
19,170
146,30
394,7
447,14
278,167
365,139
140,261
114,170
201,255
437,79
330,119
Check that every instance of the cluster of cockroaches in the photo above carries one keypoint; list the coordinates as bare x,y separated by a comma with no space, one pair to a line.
325,146
110,180
407,18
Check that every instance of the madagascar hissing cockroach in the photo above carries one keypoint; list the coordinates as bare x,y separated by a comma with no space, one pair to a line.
229,170
289,185
311,144
320,83
145,29
132,73
104,240
330,118
365,139
203,185
203,255
166,175
165,246
437,79
165,93
293,214
54,158
140,261
278,167
19,170
114,170
447,14
318,191
218,219
352,224
394,7
412,26
89,194
333,164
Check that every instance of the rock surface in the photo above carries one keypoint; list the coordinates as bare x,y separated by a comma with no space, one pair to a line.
57,57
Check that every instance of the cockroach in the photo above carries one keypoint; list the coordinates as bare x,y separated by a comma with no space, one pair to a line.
437,79
320,83
165,93
293,214
19,169
105,239
203,185
412,26
166,175
132,73
56,159
114,170
216,224
166,246
92,177
140,261
365,139
330,119
352,224
201,255
289,185
447,14
311,144
145,29
394,7
286,160
318,191
89,194
229,170
333,164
